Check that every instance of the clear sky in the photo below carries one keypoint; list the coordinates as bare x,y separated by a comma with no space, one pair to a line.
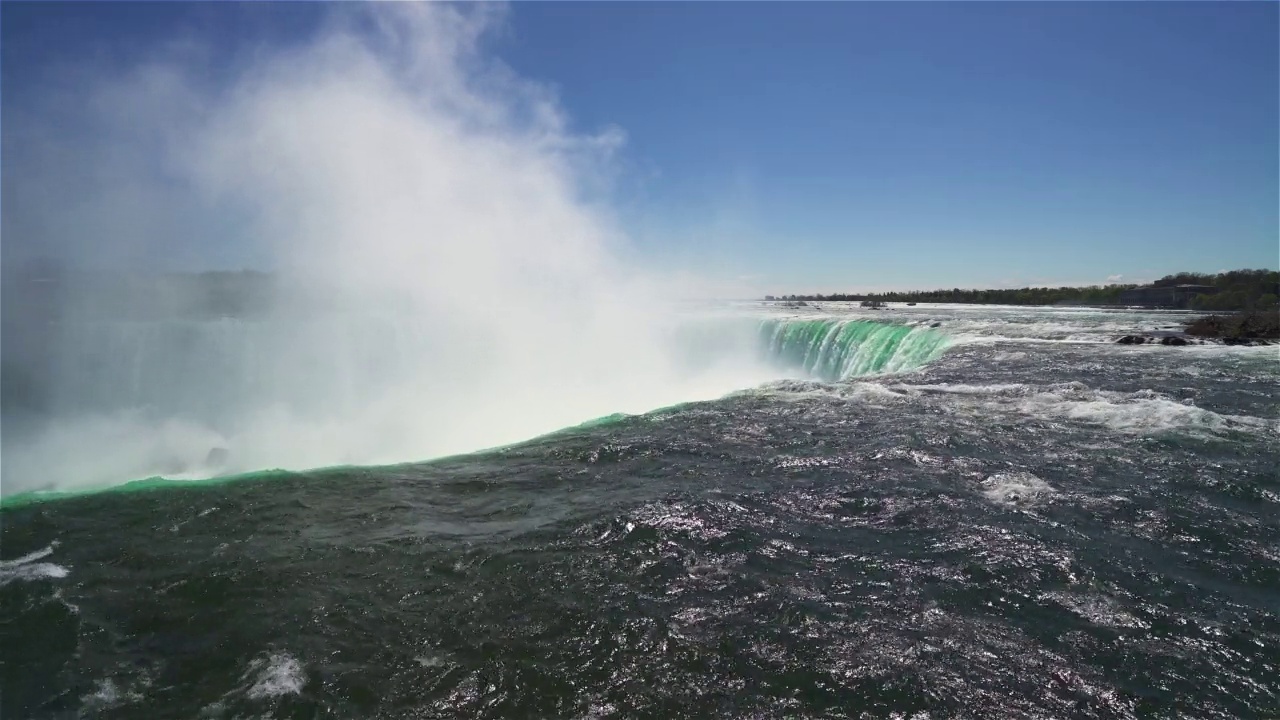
792,147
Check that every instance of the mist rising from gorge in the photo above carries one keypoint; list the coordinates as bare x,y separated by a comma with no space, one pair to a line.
439,281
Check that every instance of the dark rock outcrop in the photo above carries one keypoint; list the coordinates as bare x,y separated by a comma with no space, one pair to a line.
1248,342
1178,340
1259,324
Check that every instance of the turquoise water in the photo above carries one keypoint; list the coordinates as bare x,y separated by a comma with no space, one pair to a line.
833,349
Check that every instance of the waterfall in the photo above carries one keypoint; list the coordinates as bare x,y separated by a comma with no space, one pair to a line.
832,349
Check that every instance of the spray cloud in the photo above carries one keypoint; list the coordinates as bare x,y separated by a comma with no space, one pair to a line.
443,285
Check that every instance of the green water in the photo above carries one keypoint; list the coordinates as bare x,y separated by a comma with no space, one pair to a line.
163,483
144,484
832,349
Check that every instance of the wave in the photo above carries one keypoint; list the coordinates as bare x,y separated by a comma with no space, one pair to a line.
280,674
26,569
1143,412
1020,490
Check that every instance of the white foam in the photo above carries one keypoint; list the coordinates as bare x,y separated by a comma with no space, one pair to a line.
107,694
26,569
965,389
1097,609
278,675
430,661
1140,412
1139,415
42,553
1018,489
1142,415
869,392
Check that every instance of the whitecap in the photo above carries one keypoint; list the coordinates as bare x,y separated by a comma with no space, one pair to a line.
1097,609
106,694
431,661
280,674
26,569
113,692
1140,414
1018,489
965,389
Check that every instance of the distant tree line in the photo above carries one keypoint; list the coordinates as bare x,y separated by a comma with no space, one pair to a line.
1237,289
1093,295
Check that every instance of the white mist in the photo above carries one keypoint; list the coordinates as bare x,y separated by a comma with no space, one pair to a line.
446,287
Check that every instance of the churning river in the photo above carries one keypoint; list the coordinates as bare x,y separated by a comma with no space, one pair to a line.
930,512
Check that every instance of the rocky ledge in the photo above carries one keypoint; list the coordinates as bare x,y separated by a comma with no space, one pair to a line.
1259,326
1249,327
1178,339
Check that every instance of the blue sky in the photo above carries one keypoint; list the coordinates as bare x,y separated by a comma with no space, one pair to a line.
828,146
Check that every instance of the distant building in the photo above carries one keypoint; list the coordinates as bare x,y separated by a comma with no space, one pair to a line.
1170,296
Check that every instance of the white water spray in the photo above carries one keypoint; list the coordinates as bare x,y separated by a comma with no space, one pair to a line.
430,202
